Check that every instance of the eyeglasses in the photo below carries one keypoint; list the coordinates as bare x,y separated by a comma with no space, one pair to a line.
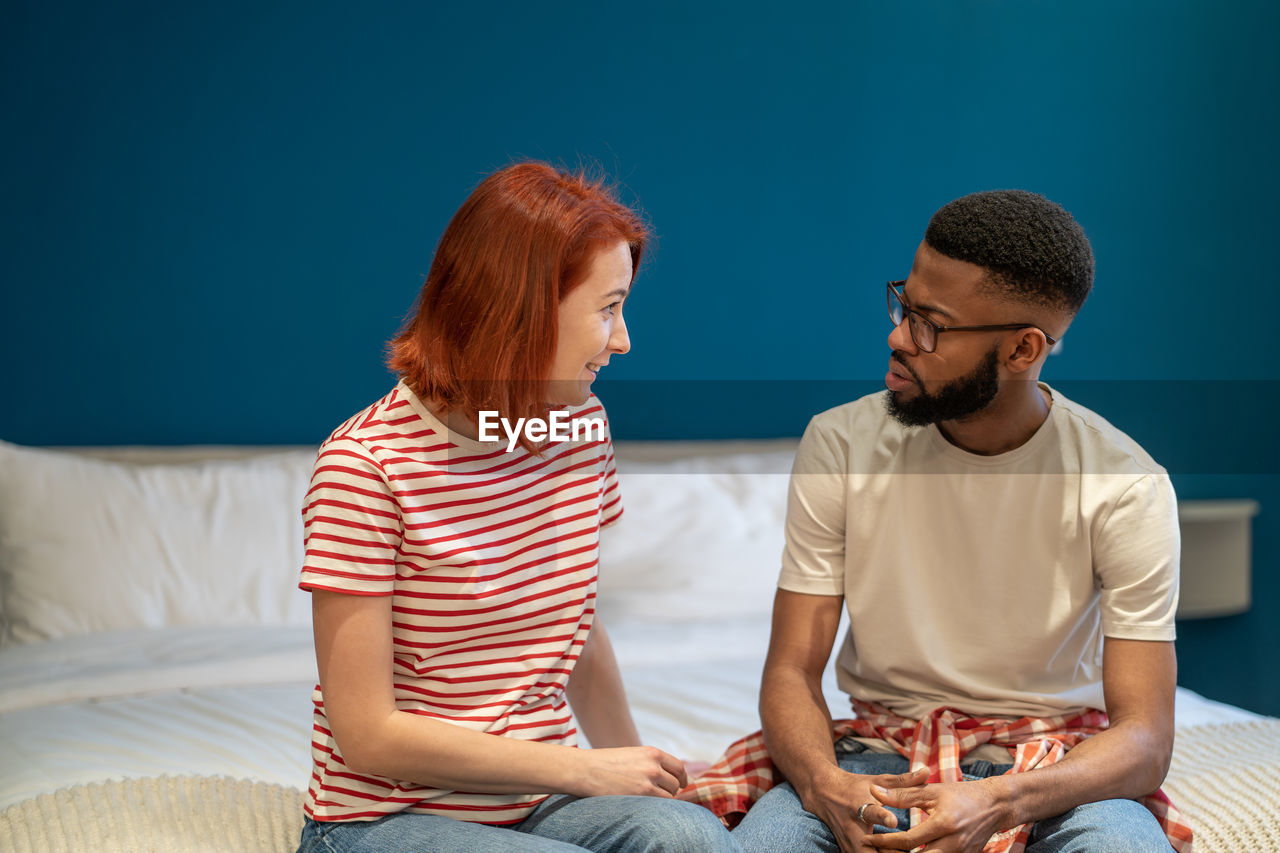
924,332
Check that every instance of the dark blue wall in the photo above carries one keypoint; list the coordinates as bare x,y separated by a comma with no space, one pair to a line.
214,217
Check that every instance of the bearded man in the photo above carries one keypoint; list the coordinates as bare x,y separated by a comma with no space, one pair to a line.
1009,564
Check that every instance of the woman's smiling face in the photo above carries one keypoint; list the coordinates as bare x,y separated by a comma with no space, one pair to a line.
590,328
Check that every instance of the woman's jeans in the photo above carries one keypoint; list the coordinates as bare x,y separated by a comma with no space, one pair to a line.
561,824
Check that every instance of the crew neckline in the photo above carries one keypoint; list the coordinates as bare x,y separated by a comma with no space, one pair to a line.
1027,448
455,438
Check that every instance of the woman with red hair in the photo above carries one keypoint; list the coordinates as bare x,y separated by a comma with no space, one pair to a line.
453,570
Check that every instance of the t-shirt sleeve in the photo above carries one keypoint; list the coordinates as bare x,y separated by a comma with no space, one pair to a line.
611,497
813,558
611,492
351,523
1136,560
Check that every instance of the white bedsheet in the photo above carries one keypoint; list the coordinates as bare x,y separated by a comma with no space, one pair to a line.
237,702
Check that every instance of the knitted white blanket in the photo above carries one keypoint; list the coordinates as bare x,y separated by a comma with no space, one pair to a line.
1224,778
165,814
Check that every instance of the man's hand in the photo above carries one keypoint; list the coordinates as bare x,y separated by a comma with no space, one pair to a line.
836,798
961,816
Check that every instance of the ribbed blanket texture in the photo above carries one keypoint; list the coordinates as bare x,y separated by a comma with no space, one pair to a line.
164,814
1225,779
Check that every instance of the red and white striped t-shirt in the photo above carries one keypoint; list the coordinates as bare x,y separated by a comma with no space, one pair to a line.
490,559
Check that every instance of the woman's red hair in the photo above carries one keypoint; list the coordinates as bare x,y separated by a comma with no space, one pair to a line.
483,332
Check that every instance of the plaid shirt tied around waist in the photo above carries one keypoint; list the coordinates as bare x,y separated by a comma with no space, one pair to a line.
939,742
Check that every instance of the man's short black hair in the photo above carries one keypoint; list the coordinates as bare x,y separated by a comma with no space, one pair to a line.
1033,249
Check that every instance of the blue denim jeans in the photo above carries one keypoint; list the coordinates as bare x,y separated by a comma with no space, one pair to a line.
779,822
559,825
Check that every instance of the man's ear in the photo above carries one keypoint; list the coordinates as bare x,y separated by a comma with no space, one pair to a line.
1026,349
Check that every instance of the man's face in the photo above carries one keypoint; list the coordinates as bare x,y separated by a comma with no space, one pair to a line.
962,375
951,400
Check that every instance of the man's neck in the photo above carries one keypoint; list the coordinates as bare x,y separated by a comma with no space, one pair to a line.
1007,423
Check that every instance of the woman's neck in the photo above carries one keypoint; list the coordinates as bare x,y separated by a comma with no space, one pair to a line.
457,421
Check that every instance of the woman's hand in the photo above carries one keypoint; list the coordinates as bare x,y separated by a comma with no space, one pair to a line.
644,771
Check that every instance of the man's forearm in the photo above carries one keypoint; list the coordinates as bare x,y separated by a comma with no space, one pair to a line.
1124,762
797,726
1128,760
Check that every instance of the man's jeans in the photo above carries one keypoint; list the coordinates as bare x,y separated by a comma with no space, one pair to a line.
561,824
779,822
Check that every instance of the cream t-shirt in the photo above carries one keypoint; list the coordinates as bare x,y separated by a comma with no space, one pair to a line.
984,583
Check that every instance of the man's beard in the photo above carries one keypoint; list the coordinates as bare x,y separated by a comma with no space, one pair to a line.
956,399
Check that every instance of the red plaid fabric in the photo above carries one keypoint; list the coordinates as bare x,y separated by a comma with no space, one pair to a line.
939,742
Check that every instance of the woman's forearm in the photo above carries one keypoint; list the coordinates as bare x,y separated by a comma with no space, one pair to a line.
443,755
431,752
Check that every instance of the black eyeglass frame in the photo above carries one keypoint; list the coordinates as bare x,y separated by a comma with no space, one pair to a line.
894,288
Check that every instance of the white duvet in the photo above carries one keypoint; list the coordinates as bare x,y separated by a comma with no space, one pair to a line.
237,702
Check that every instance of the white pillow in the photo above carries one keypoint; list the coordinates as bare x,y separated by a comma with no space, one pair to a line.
92,545
698,539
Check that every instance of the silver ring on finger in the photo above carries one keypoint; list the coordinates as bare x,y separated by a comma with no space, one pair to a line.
862,811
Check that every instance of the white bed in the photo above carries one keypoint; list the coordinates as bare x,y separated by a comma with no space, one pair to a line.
156,647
